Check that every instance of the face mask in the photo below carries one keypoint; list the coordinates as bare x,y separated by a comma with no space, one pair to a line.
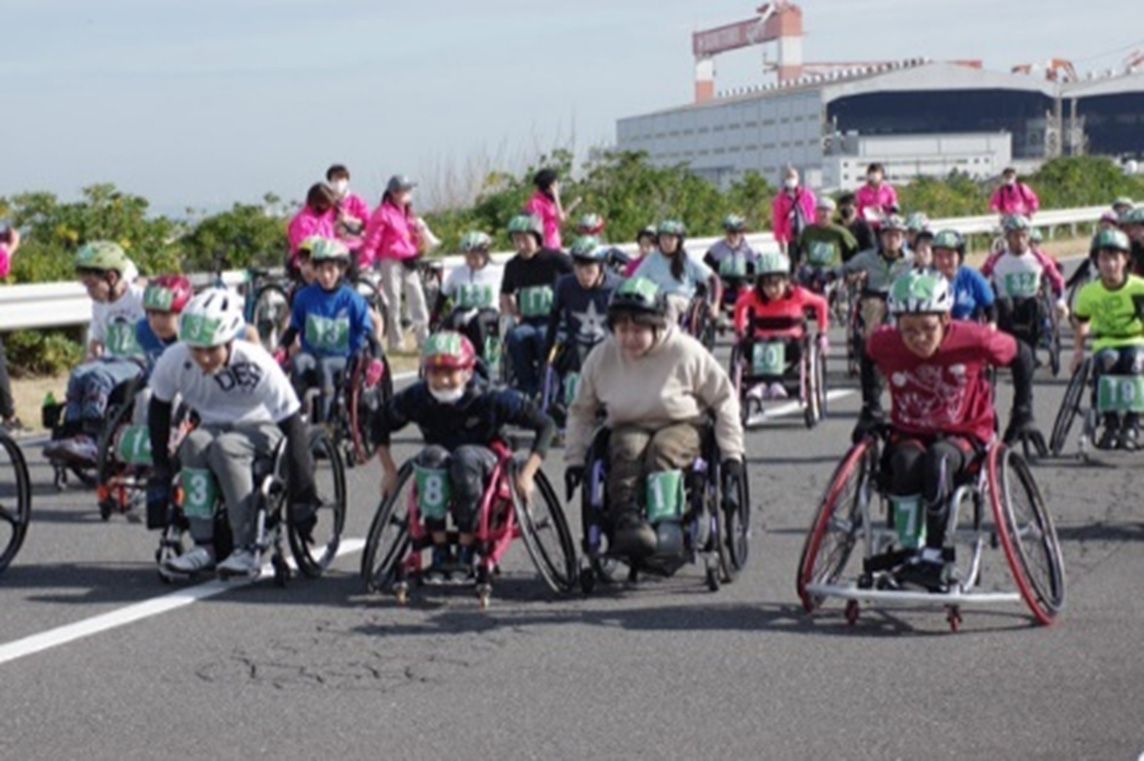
1011,181
451,396
341,186
873,178
791,184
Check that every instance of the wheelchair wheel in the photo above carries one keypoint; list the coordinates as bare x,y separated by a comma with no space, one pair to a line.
15,500
1025,530
812,370
735,529
388,540
361,408
368,290
735,373
600,567
267,314
1070,407
836,526
118,497
546,535
315,556
1054,341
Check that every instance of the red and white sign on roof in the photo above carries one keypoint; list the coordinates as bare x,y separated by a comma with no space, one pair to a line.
729,37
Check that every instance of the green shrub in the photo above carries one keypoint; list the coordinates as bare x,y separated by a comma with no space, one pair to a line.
44,352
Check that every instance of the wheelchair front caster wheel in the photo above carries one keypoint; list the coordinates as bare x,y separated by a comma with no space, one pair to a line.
587,580
954,618
401,593
852,611
484,594
712,577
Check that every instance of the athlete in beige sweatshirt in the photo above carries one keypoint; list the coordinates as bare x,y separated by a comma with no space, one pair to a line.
657,387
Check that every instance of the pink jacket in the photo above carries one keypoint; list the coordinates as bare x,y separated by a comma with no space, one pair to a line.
306,223
783,210
5,261
390,234
1014,199
880,198
355,206
545,208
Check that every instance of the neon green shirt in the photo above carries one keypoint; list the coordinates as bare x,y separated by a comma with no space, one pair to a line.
1114,314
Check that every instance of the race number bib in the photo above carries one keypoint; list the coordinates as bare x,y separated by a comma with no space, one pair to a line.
535,301
134,447
433,491
200,493
768,358
121,340
330,335
475,296
1022,285
909,523
821,253
1121,393
733,266
664,496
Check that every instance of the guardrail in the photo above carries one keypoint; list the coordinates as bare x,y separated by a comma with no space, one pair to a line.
50,305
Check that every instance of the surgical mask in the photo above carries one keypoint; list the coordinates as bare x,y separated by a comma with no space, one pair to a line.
791,184
874,177
341,186
448,396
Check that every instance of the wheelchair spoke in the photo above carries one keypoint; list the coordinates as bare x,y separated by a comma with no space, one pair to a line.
10,517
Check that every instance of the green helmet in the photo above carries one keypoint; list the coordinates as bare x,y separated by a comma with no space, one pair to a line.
773,264
641,299
1015,222
1134,216
1035,235
917,222
920,292
733,223
308,243
475,241
527,223
325,249
671,227
648,231
894,222
1124,201
950,239
102,255
1112,239
587,248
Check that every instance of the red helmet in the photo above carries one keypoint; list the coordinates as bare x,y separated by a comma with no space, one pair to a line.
167,293
448,349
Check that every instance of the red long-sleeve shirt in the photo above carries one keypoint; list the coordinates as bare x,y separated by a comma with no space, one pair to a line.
783,317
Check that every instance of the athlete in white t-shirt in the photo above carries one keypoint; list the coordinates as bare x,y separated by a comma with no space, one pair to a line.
117,305
472,289
245,404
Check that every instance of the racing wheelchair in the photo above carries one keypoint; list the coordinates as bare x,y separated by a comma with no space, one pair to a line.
313,543
763,360
398,536
353,406
995,504
1107,394
696,320
695,515
1032,317
15,499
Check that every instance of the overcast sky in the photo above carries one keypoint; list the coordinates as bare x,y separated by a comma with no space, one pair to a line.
204,102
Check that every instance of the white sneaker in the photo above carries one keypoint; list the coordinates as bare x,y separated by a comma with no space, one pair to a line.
199,558
776,391
241,562
757,392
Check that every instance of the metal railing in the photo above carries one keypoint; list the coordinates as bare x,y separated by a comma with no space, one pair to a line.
50,305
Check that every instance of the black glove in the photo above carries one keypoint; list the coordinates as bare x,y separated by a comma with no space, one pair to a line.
1022,428
159,499
732,478
573,477
869,424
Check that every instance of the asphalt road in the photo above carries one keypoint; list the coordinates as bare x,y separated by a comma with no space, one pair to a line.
661,669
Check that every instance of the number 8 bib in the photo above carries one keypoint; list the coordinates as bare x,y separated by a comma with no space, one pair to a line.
433,491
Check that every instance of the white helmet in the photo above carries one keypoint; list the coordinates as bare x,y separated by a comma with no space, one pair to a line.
920,292
212,318
772,263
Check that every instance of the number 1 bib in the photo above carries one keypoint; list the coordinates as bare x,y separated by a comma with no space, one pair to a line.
535,301
326,334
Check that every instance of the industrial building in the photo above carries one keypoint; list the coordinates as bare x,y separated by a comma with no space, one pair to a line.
917,116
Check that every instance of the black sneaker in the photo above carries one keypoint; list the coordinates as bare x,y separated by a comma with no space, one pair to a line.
1110,438
928,574
440,568
1129,438
633,536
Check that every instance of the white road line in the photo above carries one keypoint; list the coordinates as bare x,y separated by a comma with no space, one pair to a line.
62,635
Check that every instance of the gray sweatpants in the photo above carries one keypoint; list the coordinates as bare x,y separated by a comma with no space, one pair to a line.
229,451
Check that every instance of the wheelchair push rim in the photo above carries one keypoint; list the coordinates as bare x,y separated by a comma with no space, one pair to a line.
15,501
313,558
545,532
388,540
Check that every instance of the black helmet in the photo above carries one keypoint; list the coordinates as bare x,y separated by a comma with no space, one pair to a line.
640,299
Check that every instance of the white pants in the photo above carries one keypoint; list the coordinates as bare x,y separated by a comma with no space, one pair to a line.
396,278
